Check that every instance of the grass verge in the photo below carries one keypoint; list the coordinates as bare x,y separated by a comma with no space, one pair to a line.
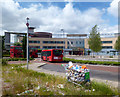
16,80
18,59
91,62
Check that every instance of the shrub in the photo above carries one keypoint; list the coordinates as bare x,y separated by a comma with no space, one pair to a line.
110,56
91,62
4,62
18,59
6,55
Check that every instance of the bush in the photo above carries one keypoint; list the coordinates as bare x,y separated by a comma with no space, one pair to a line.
110,56
19,59
91,62
4,62
6,55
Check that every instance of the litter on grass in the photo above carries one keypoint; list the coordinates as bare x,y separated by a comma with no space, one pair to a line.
76,73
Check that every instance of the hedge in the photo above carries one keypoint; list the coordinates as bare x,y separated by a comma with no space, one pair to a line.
18,59
4,62
6,55
91,62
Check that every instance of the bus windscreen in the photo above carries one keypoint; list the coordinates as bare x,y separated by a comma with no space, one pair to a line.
57,52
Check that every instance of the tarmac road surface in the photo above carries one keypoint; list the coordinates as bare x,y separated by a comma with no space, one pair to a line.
100,72
105,75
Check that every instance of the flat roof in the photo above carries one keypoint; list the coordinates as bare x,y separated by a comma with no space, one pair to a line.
71,35
15,33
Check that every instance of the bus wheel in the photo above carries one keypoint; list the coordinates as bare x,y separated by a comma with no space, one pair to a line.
49,59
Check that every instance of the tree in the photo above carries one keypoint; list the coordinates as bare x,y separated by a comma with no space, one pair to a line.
117,44
95,40
17,44
24,46
3,42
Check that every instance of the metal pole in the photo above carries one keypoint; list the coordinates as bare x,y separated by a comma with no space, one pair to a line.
27,43
63,42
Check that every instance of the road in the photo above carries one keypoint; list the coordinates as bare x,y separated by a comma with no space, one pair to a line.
93,73
100,72
96,71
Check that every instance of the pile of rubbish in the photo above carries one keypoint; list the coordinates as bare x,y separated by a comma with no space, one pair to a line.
76,73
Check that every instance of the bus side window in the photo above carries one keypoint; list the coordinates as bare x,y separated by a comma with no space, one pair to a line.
43,53
46,53
49,53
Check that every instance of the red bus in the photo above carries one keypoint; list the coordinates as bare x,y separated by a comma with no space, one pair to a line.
17,51
33,53
52,55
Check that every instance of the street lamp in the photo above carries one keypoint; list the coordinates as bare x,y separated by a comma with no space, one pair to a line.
64,40
62,31
27,24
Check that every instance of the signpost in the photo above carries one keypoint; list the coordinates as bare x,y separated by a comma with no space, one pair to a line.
27,24
63,41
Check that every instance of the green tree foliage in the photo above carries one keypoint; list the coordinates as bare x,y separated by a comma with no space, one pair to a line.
24,46
17,44
3,42
95,40
117,44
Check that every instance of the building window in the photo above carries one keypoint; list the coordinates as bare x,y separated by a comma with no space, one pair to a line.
71,42
45,41
34,47
79,42
76,42
44,47
106,47
68,42
60,47
35,41
106,41
53,42
49,47
38,41
31,41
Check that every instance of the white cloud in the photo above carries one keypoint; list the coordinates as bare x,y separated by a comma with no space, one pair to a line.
72,20
108,29
50,19
113,9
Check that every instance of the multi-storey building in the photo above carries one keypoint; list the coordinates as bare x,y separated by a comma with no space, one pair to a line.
107,46
47,43
73,43
77,46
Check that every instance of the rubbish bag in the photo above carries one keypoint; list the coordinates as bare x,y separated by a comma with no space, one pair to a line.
77,73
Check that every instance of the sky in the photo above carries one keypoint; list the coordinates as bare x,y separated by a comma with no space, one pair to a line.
73,17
